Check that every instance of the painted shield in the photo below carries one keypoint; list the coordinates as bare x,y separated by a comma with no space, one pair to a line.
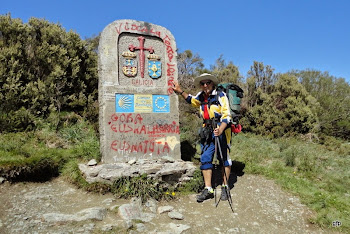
154,69
130,67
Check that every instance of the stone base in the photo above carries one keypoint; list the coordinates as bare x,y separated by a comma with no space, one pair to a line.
165,169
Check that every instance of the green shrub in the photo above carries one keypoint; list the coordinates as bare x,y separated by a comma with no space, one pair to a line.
44,69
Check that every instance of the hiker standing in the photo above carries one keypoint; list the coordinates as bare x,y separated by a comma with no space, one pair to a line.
214,109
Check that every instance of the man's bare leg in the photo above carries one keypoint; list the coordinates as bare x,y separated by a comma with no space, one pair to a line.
225,178
207,174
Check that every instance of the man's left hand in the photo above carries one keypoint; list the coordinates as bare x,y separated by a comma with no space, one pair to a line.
217,132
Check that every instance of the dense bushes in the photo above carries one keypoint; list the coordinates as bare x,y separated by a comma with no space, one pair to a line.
287,109
333,94
43,69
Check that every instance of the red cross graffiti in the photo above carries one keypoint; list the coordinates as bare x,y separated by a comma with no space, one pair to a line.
141,47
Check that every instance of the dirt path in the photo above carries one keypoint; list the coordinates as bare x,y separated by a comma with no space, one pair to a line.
260,207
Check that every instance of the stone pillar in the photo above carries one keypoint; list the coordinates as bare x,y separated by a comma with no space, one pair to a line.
139,116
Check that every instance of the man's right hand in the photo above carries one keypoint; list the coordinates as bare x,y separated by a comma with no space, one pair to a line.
176,87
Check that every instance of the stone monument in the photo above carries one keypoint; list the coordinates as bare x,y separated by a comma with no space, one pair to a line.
139,116
139,119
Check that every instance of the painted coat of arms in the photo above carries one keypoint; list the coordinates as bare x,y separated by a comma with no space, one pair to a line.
154,66
129,64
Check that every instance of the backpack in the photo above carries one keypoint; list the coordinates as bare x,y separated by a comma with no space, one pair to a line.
234,94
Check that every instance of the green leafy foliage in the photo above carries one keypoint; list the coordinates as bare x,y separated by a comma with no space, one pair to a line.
333,94
43,69
260,80
286,109
226,73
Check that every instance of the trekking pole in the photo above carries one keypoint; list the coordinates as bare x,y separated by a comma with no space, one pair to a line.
215,162
215,166
215,169
217,142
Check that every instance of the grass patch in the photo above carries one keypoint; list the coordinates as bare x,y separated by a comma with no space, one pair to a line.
42,154
318,174
71,173
23,158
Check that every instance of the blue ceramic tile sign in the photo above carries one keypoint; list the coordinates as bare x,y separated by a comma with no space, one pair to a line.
124,103
161,104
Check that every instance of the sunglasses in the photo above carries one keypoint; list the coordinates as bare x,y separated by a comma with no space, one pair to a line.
207,83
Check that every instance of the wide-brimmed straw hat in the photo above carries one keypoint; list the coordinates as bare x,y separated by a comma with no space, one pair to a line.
205,76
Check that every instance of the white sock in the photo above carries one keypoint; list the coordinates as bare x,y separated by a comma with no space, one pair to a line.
210,189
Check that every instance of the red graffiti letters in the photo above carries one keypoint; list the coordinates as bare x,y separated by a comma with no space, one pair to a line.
170,73
132,125
169,49
127,118
125,123
126,27
171,69
141,147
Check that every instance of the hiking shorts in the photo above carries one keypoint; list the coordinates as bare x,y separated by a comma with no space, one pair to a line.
208,151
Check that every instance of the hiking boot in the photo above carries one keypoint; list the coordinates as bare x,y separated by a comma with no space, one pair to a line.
224,193
205,195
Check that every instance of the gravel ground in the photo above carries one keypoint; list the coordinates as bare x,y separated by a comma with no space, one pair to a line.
260,206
